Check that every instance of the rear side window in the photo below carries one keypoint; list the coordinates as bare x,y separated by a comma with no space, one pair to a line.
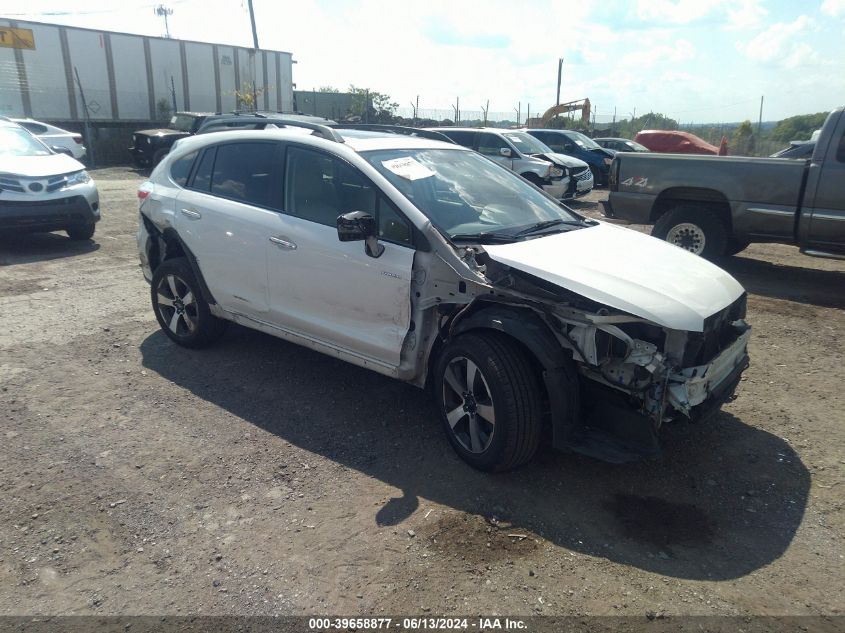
461,137
35,128
181,168
202,177
840,152
244,172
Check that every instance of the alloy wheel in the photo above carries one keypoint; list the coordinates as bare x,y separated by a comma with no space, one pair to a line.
468,404
177,305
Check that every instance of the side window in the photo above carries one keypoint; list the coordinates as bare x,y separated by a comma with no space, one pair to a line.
202,177
35,128
557,142
840,152
181,168
392,227
243,172
461,137
490,144
319,188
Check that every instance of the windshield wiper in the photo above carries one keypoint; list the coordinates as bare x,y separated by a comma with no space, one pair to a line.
490,238
547,224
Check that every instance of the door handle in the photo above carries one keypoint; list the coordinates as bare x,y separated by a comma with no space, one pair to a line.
191,214
282,243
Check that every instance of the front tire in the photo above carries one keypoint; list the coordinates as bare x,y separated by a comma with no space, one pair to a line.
695,229
79,233
489,400
179,306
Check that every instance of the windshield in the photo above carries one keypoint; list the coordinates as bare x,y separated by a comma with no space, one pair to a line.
584,141
636,146
526,143
15,141
183,122
465,194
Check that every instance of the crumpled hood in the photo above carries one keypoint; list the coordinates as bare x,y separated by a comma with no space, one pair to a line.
39,166
626,270
562,160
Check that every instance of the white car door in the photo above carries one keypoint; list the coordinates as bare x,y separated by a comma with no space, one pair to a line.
329,290
226,216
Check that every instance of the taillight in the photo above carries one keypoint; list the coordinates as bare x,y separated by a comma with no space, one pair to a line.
145,190
77,140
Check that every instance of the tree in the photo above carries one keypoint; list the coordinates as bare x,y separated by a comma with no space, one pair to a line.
372,106
798,128
331,89
247,97
743,139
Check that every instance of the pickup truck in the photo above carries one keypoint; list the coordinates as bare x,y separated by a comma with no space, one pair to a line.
715,206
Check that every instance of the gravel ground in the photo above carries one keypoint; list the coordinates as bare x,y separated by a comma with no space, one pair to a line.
257,477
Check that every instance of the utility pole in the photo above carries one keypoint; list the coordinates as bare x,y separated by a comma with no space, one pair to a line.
252,22
173,94
163,11
518,111
613,125
559,71
760,120
528,115
88,140
457,109
483,109
414,108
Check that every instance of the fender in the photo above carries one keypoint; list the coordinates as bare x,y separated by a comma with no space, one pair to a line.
167,238
558,369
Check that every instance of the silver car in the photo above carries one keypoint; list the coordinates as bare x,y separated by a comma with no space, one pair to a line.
562,177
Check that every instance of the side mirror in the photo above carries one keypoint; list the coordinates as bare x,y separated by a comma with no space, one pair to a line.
505,151
61,150
360,225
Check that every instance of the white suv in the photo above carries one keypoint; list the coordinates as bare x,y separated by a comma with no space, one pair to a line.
426,262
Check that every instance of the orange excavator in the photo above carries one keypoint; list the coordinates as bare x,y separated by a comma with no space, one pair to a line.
562,108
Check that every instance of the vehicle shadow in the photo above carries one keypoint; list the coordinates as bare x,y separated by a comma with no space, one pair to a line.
724,500
26,248
823,288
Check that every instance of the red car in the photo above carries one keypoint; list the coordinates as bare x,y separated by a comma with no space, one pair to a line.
675,142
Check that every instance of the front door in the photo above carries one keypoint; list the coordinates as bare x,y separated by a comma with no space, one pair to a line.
826,206
491,145
329,290
226,215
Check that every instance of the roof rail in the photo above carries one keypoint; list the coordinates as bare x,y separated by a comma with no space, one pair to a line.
395,129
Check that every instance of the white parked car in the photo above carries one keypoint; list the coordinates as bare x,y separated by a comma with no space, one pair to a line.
426,262
42,190
55,136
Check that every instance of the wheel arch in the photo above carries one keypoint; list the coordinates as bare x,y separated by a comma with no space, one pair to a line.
713,200
556,372
169,245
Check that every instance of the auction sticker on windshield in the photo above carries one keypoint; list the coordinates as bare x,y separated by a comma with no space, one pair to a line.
407,168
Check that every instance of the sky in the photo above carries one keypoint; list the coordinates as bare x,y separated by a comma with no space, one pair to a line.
694,60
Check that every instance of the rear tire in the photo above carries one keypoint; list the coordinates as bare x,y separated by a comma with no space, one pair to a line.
179,306
490,401
695,229
79,233
736,246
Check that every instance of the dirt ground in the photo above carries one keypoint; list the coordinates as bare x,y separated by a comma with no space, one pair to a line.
257,477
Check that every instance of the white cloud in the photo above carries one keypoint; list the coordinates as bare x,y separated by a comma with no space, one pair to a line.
678,12
833,8
781,44
745,14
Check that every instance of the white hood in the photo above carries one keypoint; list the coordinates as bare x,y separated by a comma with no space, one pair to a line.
627,270
39,166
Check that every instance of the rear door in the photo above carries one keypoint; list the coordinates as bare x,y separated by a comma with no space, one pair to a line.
825,197
226,215
332,291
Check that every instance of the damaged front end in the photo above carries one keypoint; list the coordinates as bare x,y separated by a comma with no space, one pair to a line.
635,375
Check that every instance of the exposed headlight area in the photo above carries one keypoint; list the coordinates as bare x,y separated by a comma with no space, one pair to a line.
77,178
557,172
